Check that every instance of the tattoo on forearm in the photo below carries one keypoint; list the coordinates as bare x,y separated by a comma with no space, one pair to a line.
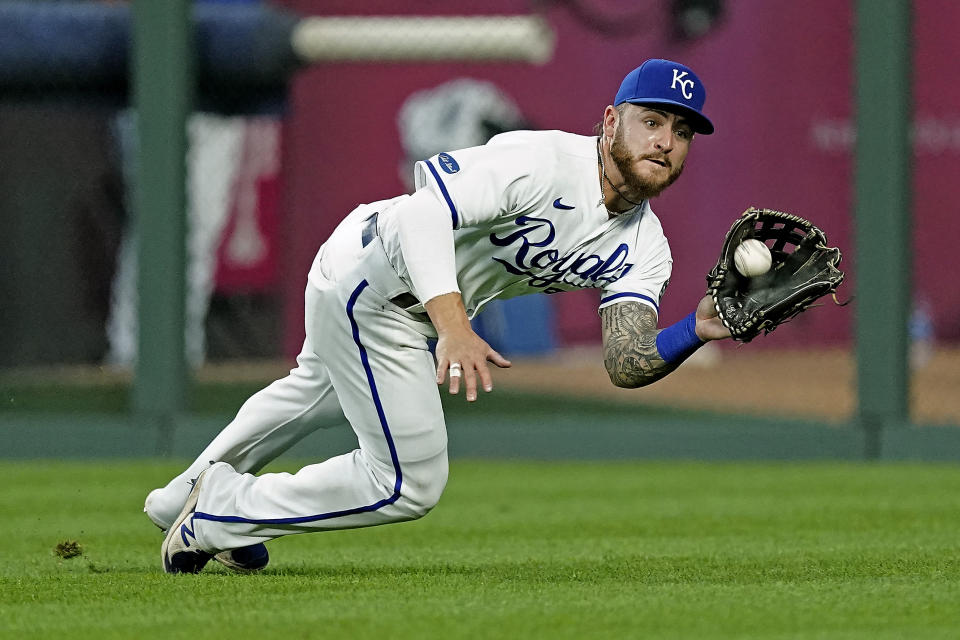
630,345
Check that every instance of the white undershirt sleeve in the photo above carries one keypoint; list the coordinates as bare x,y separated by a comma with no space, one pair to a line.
426,242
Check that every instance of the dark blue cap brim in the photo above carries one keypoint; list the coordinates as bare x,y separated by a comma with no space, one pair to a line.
699,122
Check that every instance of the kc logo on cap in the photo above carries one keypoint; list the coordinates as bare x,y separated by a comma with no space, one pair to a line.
678,76
669,84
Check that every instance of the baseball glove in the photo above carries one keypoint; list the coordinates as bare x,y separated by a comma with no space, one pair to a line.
803,270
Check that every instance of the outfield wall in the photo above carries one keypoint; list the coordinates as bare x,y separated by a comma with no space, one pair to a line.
779,76
780,82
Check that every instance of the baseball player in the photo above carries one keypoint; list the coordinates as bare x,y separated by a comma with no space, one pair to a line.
530,211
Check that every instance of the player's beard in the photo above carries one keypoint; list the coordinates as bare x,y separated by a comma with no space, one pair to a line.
638,187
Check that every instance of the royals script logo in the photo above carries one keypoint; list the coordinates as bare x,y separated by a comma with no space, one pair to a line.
547,269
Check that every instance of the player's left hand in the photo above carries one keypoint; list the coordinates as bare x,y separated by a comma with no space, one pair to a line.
709,326
803,268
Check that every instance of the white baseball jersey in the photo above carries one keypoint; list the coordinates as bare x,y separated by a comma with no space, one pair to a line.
528,216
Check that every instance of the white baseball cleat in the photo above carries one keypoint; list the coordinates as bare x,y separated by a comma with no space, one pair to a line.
179,552
245,559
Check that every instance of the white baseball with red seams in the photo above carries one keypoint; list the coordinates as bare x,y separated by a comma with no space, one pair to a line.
527,216
752,258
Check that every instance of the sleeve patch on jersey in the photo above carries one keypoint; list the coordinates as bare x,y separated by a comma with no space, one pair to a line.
447,163
443,190
631,295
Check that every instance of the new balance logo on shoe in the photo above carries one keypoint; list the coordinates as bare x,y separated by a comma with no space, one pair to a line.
185,531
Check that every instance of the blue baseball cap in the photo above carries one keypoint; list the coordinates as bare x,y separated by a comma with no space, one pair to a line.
667,83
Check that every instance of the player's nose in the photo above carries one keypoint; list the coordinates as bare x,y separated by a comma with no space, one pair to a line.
663,141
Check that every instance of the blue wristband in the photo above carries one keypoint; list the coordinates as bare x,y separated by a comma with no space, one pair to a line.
678,341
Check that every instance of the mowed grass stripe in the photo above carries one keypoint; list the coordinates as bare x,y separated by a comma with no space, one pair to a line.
559,550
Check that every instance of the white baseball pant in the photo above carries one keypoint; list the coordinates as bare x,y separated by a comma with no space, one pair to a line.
364,359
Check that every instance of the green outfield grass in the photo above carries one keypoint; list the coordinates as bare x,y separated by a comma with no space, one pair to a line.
514,550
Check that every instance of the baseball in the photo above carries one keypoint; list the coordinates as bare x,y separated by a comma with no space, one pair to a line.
752,258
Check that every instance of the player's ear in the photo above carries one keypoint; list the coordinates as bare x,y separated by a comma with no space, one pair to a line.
611,119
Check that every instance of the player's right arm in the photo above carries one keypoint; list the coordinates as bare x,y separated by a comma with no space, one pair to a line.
463,188
426,242
458,343
632,343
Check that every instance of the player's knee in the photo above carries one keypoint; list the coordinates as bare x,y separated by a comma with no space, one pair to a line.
163,506
423,483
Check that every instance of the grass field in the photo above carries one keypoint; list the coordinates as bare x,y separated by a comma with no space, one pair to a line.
514,550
